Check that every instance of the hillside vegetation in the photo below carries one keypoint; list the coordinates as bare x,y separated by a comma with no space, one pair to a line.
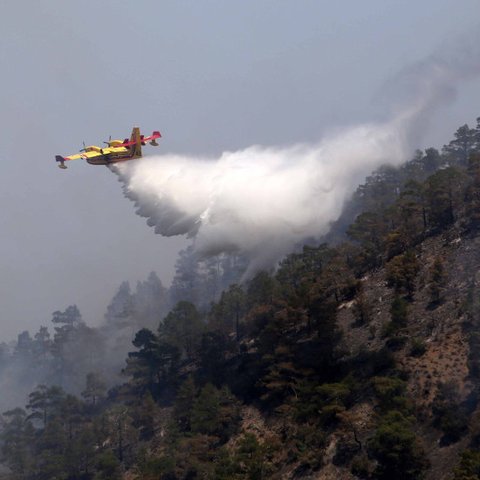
357,358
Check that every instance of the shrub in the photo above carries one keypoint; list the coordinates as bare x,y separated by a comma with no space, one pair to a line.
418,348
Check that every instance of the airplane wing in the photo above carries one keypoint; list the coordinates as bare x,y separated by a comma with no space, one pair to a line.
77,156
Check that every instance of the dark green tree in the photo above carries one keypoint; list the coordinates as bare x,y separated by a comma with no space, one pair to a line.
72,416
153,367
444,193
362,308
460,148
402,271
412,211
370,229
213,349
45,403
215,412
184,402
438,279
150,302
472,193
397,449
205,411
398,315
251,458
182,328
107,466
450,416
144,413
469,468
120,310
42,345
390,392
261,289
225,315
66,324
52,451
432,160
95,388
185,283
17,437
24,347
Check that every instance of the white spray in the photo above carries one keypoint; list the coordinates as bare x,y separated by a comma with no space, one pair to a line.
261,201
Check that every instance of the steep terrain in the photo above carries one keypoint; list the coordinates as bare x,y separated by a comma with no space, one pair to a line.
431,354
357,360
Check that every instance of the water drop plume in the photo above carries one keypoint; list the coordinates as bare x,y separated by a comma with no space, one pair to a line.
261,201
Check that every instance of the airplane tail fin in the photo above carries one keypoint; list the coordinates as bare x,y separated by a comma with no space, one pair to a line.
61,161
136,148
154,142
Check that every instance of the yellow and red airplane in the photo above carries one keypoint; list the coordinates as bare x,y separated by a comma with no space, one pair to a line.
115,151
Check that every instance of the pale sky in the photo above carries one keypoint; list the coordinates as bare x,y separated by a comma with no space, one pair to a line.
211,75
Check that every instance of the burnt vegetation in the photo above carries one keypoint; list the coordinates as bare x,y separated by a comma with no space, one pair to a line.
356,358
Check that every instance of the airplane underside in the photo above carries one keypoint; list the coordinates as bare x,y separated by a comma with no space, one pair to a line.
107,160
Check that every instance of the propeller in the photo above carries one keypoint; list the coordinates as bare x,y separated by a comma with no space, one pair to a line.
84,149
109,140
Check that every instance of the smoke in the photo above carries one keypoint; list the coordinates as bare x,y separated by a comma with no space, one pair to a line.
261,201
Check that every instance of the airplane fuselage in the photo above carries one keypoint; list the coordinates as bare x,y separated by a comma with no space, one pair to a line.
108,155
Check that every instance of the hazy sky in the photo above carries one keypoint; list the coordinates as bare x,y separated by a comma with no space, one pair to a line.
211,76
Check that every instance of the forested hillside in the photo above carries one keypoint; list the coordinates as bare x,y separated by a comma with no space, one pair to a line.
356,358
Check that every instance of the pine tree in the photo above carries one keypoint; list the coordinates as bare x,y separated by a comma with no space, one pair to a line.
184,402
398,315
213,350
120,310
225,315
370,229
95,387
182,328
397,449
154,366
17,438
472,193
444,193
150,302
437,279
205,411
459,149
45,403
42,344
362,308
402,271
67,324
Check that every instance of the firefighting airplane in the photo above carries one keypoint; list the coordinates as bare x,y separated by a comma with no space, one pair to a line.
115,151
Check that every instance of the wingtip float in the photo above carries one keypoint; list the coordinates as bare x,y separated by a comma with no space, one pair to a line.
115,151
